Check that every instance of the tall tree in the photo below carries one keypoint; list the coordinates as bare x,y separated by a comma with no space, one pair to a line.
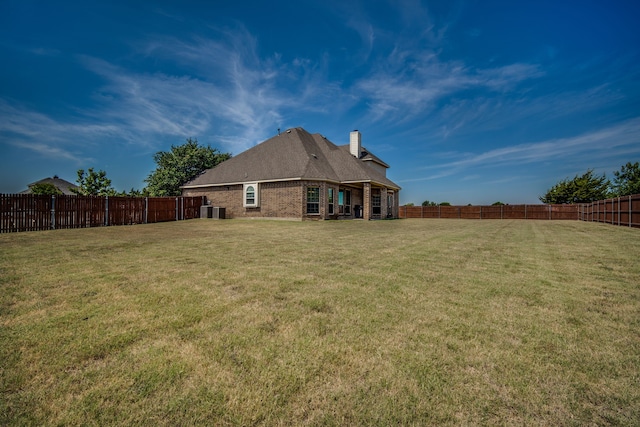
627,180
429,203
180,165
581,189
93,183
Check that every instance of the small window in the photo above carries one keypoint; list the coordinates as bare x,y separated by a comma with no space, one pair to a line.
330,200
251,199
313,200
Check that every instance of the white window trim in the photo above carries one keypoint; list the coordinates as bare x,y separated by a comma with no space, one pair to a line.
317,188
256,199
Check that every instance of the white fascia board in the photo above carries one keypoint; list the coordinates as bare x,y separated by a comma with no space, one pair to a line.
372,182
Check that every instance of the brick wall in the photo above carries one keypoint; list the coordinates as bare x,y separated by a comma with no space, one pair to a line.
277,200
285,199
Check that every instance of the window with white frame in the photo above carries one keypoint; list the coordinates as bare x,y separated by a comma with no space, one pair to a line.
251,197
313,200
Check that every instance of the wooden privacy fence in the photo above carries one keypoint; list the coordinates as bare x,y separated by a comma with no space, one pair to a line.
549,212
28,212
624,211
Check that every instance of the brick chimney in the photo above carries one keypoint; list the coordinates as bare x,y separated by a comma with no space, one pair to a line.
355,143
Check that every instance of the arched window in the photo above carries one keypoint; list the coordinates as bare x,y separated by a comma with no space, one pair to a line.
251,199
251,195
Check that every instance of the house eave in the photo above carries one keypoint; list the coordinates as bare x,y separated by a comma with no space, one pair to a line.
258,181
377,183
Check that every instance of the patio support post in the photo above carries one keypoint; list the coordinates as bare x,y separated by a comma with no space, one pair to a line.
366,201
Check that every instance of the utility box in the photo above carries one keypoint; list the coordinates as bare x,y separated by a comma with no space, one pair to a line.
206,211
217,213
212,212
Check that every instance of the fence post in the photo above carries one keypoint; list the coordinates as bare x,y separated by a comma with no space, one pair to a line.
549,212
176,209
629,210
145,214
53,212
480,212
52,226
106,210
501,212
525,212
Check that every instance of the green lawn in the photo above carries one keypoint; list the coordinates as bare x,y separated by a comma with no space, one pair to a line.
407,322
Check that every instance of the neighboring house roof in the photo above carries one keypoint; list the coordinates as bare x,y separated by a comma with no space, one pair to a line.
61,184
294,154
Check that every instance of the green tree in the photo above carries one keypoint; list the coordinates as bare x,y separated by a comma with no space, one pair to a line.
180,165
627,180
131,193
93,183
429,203
45,188
497,203
584,188
445,204
409,204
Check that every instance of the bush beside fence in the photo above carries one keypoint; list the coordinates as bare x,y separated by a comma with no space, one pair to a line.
29,212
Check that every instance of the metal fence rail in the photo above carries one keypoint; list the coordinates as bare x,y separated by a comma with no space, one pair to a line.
29,212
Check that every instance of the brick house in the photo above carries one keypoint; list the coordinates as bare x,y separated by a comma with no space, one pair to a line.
65,187
298,175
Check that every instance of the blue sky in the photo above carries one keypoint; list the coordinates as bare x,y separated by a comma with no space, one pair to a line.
468,101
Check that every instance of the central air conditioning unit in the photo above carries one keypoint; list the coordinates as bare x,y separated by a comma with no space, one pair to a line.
212,212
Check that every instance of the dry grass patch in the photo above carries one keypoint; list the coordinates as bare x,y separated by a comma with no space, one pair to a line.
412,322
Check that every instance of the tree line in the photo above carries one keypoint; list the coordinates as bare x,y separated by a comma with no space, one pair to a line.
590,187
173,168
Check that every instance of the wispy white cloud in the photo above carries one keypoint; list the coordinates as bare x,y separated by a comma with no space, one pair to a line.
221,89
614,140
46,136
460,116
52,152
227,90
413,83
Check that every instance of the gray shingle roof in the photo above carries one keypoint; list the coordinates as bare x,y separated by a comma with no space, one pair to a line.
61,184
294,154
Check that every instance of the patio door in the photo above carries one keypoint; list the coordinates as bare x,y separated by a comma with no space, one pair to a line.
344,202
